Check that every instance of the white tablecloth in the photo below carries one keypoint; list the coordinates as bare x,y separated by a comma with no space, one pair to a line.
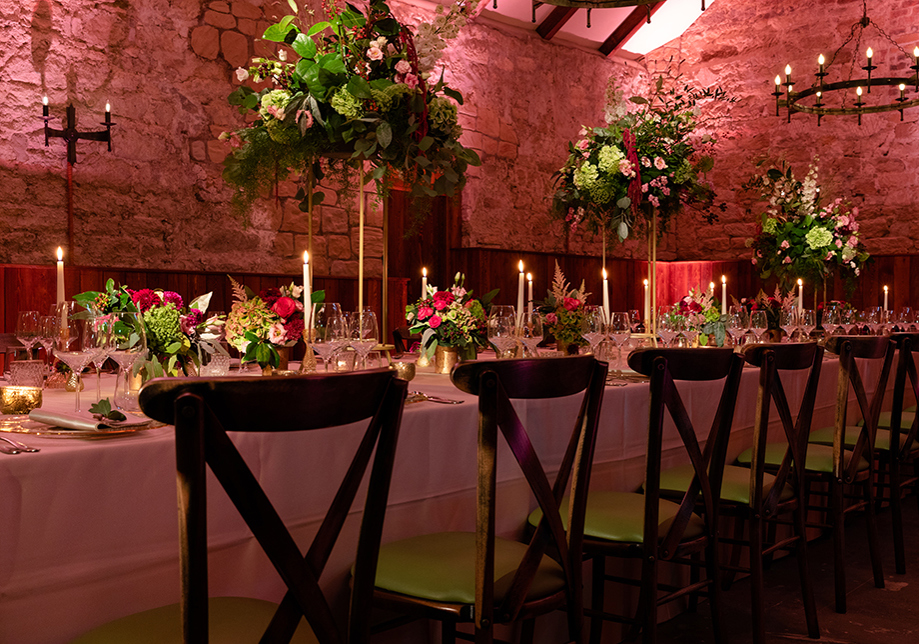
88,528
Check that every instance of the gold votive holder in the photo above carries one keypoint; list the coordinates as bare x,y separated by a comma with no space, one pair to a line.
404,370
19,400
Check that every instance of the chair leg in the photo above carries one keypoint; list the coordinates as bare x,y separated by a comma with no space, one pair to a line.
873,544
527,630
713,570
756,579
695,573
837,520
896,507
448,632
771,529
647,602
807,590
727,579
597,584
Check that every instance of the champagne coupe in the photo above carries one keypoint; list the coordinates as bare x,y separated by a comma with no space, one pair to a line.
531,332
620,332
759,323
364,334
97,342
28,329
128,348
596,328
68,340
502,330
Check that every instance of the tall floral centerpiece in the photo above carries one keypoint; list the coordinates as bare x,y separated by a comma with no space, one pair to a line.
261,326
801,237
565,312
358,84
451,318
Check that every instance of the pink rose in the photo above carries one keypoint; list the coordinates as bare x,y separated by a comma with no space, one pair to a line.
787,260
284,306
445,296
571,303
277,334
659,163
551,318
425,312
402,67
440,305
582,145
838,243
375,53
853,241
625,167
435,321
784,244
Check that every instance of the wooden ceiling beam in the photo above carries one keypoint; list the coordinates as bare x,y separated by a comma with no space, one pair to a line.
555,21
628,27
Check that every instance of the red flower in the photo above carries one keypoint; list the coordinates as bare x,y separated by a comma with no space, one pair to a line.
443,296
435,321
293,328
571,303
440,305
285,307
145,299
425,312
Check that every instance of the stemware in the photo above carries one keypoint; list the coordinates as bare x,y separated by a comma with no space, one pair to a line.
635,320
807,322
596,328
128,347
46,337
28,329
831,320
328,331
759,324
68,340
97,342
736,328
788,321
665,326
531,333
364,334
873,319
502,330
619,332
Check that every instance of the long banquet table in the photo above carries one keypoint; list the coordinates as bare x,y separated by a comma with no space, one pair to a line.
88,528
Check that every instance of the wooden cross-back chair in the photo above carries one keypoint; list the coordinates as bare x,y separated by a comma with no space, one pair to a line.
756,496
899,448
203,411
483,578
645,526
847,456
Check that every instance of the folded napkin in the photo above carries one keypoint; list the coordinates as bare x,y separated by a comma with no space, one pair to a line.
83,422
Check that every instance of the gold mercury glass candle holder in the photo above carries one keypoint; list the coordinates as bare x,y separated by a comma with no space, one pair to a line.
19,400
404,370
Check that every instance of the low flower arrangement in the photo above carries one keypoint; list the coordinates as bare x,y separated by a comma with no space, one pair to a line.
450,318
359,83
565,310
643,161
773,305
175,334
258,325
800,238
702,313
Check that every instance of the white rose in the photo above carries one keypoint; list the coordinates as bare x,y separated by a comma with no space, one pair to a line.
241,74
282,55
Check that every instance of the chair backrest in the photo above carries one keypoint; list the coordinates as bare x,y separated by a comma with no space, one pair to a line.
664,367
772,359
878,349
403,340
496,383
203,411
906,371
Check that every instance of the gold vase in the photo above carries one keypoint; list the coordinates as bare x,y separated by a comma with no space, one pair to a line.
74,382
444,359
284,358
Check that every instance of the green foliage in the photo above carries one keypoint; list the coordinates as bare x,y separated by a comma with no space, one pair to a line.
103,410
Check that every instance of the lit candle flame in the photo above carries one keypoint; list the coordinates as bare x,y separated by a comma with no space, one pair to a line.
885,289
916,52
788,70
724,280
858,90
306,257
529,277
820,59
108,107
869,53
520,265
819,94
800,282
60,254
44,100
646,282
424,272
901,86
778,80
604,273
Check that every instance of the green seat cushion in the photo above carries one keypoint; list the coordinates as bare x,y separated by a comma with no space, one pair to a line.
824,436
906,420
819,457
231,619
441,567
735,486
620,517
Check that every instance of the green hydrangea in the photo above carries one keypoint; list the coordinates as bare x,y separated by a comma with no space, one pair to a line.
684,172
442,114
251,315
163,329
602,192
770,226
610,156
397,91
346,104
283,134
275,98
382,99
585,177
818,238
848,253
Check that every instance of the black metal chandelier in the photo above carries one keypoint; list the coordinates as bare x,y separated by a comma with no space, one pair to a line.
815,99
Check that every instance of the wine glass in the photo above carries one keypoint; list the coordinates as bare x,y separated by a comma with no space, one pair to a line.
502,331
596,328
635,320
531,332
619,331
665,326
46,337
28,329
807,321
128,347
788,321
759,323
830,319
364,334
736,328
97,342
328,329
68,340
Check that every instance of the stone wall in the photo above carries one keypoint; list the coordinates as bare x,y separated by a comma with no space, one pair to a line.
742,45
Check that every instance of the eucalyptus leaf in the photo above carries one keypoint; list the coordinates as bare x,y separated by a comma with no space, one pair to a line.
624,203
384,134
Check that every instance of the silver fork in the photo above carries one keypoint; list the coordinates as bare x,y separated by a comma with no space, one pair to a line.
19,447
